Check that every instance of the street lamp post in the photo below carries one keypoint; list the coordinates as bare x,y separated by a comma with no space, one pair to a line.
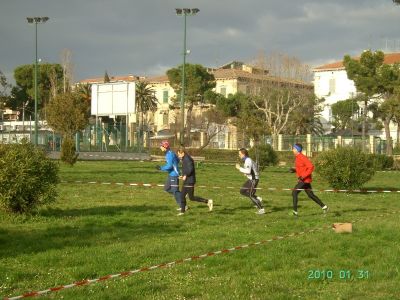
36,20
184,12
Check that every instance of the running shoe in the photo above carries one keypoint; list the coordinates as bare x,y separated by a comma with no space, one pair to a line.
261,211
210,204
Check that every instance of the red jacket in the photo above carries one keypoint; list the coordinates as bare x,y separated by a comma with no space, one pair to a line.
304,167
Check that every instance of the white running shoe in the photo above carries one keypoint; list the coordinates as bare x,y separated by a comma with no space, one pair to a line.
325,209
210,204
260,211
180,214
186,208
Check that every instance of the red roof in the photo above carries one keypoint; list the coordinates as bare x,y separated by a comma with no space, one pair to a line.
128,78
218,74
157,79
390,58
236,74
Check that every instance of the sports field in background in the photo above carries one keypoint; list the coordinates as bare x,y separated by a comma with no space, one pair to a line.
94,230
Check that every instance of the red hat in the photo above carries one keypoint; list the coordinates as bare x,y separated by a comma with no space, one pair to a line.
165,144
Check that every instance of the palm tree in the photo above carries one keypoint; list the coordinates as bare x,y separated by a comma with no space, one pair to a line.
106,77
85,93
145,101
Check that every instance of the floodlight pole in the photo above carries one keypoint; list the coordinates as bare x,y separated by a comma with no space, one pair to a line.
184,12
182,136
36,20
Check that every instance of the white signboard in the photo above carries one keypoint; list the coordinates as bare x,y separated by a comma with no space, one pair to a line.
113,98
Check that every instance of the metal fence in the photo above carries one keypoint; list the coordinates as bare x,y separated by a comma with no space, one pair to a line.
116,138
312,143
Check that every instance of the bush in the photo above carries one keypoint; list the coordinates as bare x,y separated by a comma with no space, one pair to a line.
27,178
345,168
265,155
382,162
68,154
396,164
285,157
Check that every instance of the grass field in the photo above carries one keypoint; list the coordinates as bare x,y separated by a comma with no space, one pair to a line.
95,230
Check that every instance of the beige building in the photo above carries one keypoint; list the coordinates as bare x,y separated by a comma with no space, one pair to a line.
230,78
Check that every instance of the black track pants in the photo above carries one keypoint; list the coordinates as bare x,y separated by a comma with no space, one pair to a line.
189,190
309,192
249,190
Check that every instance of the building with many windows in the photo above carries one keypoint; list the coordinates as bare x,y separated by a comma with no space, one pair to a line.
230,78
332,84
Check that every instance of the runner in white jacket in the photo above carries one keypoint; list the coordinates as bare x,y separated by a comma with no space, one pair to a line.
250,170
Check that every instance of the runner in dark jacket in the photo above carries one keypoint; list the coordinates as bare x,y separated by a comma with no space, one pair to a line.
189,181
303,169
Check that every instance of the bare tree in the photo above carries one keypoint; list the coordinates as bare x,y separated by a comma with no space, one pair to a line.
283,66
278,95
213,122
53,83
66,63
277,101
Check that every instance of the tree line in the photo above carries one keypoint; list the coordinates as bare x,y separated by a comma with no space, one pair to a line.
281,101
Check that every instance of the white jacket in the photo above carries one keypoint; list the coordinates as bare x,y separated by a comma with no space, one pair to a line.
250,169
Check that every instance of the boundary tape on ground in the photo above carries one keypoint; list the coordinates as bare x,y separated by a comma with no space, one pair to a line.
272,167
180,261
137,184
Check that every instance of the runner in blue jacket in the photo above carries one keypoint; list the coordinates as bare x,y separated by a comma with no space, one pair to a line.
172,167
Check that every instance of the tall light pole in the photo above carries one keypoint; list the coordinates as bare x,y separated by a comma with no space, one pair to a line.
36,21
184,12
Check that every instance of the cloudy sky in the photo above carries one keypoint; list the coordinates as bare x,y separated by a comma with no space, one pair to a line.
146,37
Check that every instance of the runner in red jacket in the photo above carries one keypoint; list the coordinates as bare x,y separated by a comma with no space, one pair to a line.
304,169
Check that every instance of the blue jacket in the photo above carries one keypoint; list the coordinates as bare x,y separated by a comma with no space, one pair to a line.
172,164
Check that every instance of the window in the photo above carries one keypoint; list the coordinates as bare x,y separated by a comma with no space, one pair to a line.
223,91
332,85
165,119
165,96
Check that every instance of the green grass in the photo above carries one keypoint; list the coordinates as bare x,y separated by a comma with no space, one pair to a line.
96,230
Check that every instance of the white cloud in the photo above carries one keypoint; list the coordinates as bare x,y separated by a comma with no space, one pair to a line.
126,36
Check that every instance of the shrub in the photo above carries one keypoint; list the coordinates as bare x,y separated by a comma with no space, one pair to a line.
265,155
285,157
396,164
27,178
68,154
345,168
382,161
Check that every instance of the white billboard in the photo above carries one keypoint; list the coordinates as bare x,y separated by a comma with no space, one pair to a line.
113,98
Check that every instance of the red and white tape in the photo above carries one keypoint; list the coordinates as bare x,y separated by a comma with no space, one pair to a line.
232,187
272,167
179,261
